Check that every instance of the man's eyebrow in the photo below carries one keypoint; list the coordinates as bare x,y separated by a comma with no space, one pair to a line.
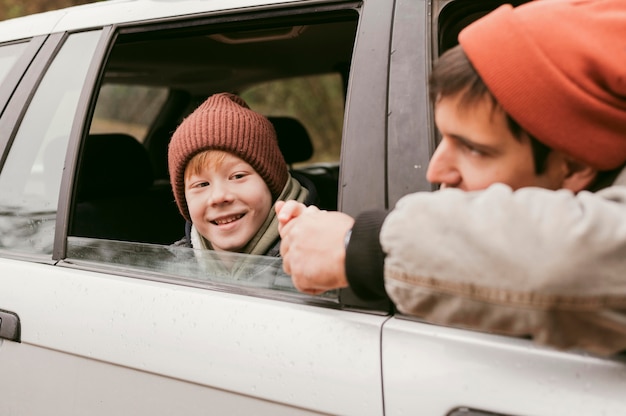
472,144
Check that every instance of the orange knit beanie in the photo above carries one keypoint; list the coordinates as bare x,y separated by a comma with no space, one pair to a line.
225,122
558,67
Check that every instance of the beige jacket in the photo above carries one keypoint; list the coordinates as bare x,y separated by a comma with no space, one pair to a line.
549,265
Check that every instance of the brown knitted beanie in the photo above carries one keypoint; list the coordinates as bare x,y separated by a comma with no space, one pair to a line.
558,67
225,122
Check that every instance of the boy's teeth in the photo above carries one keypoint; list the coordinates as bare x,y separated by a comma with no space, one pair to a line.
227,220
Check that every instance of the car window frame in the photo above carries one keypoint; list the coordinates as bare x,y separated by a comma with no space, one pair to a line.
19,67
85,109
35,62
411,129
365,129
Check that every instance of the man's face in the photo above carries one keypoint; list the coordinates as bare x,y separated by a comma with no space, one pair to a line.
227,203
477,149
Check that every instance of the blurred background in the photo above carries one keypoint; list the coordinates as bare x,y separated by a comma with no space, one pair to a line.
322,116
15,8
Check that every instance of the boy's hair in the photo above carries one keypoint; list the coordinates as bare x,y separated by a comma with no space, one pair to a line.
201,160
454,74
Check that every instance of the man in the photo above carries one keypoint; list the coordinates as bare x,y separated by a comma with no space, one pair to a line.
537,121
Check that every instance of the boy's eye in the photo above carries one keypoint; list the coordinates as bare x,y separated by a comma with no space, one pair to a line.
238,175
201,184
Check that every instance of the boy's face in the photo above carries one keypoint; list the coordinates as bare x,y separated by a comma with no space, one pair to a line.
228,202
477,149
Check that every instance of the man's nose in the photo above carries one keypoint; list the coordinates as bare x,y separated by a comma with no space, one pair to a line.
442,168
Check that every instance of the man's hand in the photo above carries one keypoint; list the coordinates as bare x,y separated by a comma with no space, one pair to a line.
313,246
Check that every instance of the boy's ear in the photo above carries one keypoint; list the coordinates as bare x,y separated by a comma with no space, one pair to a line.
579,176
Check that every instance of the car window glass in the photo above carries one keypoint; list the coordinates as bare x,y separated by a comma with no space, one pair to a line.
322,117
129,109
31,176
8,57
187,264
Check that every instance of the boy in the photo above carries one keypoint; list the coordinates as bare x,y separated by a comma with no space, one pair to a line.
226,171
527,100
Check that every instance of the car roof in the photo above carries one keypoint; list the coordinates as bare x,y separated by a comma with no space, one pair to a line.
117,11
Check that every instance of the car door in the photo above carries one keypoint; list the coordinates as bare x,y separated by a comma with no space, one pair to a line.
99,327
434,370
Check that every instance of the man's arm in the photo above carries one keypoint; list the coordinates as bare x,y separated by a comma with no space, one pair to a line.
313,246
546,264
365,257
329,250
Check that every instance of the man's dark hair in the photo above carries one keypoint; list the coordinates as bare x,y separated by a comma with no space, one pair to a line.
454,74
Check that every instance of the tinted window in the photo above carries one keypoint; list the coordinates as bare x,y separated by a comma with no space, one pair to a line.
31,176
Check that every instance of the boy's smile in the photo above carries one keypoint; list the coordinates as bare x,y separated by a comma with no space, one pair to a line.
227,220
228,202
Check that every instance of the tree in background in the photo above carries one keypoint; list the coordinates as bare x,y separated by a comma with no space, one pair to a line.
16,8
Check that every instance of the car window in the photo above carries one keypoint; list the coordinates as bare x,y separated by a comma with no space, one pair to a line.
129,109
31,176
8,56
322,117
124,215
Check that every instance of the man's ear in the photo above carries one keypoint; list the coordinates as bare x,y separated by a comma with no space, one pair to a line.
579,176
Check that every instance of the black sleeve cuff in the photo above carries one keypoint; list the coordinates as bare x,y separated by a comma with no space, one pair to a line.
365,258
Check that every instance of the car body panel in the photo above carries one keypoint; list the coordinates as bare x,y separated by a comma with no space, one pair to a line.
238,344
29,26
111,12
425,365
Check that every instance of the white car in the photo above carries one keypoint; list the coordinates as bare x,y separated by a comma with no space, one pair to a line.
101,315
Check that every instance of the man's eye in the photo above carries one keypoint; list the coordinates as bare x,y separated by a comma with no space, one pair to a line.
474,150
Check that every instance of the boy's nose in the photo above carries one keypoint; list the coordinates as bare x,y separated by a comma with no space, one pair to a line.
220,193
442,168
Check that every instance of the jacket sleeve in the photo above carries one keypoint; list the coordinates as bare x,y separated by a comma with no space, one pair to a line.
550,265
365,257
